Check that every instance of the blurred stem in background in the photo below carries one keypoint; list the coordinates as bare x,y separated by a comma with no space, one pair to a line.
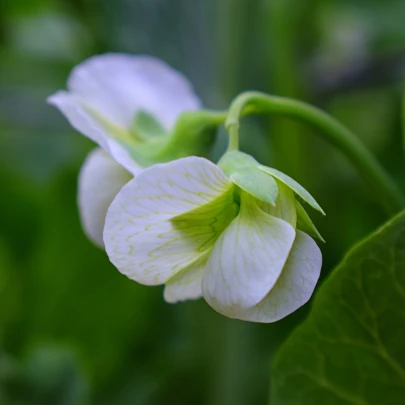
233,379
90,15
282,77
236,346
403,116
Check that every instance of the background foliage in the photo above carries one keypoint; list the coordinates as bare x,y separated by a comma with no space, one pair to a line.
73,330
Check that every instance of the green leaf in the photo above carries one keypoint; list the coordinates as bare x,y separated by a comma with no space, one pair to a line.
350,349
296,187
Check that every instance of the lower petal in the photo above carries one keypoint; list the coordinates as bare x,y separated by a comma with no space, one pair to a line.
186,285
295,285
100,180
247,259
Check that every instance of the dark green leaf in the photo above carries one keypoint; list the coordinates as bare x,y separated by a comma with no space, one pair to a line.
350,349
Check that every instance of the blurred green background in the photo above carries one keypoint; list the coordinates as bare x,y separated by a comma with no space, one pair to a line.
73,330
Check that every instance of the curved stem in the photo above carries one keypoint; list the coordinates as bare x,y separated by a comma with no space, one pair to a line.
337,134
233,138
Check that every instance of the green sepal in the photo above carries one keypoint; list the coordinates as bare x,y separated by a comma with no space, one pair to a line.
235,160
284,207
192,134
296,187
305,224
243,170
256,183
145,126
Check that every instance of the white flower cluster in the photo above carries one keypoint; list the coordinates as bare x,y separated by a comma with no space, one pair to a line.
188,223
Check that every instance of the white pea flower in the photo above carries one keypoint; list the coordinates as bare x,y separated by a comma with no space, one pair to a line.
226,232
110,99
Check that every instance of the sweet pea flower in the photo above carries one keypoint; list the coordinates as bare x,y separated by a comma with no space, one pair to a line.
227,232
107,96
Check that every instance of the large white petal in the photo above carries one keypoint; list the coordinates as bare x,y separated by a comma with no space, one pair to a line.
295,285
247,259
100,180
187,284
142,236
118,85
103,133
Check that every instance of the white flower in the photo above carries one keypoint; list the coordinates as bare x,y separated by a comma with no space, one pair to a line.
104,95
187,225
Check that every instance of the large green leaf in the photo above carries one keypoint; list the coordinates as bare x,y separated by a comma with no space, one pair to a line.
351,348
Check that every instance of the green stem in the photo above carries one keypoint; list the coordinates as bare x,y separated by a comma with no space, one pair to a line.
233,138
337,134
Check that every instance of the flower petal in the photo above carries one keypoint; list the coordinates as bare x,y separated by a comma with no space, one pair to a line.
295,285
247,259
73,107
118,85
100,180
145,235
187,284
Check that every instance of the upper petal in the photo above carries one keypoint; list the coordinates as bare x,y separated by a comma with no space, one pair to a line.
100,179
80,117
295,285
143,235
247,259
118,85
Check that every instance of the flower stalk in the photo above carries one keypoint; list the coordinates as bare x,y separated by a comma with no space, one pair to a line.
387,192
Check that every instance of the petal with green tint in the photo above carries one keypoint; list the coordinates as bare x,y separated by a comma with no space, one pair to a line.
295,285
106,91
148,235
80,117
256,183
305,224
247,259
296,187
117,86
100,179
